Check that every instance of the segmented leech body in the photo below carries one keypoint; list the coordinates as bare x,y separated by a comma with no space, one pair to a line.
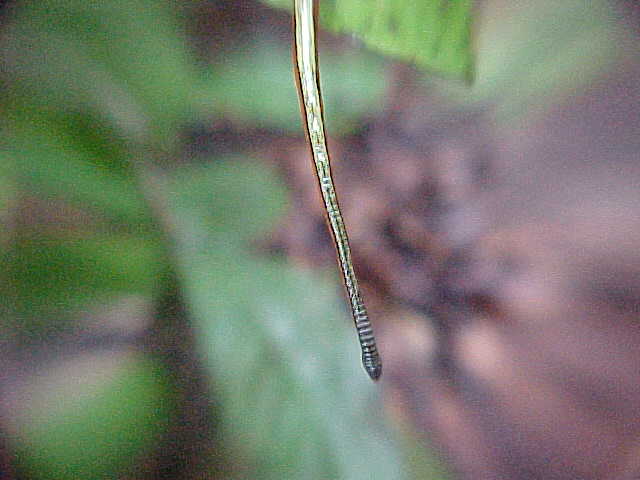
305,13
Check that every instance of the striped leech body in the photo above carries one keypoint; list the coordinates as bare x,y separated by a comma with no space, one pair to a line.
308,83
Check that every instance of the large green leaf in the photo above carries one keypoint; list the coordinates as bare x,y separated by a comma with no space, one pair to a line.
435,34
295,402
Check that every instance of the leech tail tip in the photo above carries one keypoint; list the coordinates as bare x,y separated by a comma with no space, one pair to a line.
374,371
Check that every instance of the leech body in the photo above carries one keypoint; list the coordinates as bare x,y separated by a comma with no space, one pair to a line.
308,82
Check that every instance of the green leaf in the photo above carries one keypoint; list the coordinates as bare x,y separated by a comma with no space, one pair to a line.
76,159
95,424
229,190
46,276
295,402
434,34
126,62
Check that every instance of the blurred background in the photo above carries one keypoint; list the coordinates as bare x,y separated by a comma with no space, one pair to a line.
171,306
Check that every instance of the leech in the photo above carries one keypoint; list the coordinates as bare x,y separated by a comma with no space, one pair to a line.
308,82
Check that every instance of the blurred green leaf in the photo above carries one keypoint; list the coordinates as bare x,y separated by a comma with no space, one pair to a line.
435,34
47,275
123,61
98,427
229,190
70,158
77,108
259,89
295,401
